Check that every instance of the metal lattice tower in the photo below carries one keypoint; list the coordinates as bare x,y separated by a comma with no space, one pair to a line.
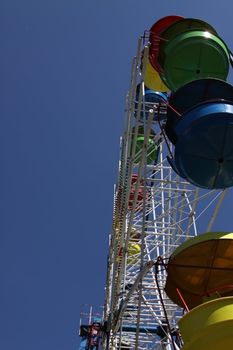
168,211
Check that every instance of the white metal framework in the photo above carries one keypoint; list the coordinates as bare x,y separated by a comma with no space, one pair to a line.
168,211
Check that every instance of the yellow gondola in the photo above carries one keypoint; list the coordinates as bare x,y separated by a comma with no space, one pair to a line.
201,268
152,79
209,326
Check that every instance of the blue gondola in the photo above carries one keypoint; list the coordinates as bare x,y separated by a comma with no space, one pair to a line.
190,95
150,98
204,148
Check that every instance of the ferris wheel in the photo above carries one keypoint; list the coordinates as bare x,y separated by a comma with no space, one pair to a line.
166,269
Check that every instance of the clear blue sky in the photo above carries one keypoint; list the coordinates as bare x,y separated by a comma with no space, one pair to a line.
64,72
